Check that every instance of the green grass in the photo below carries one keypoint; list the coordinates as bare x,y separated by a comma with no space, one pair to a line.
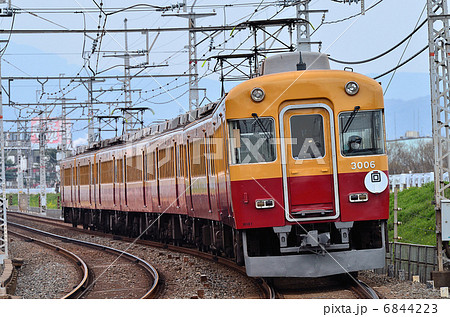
52,200
417,215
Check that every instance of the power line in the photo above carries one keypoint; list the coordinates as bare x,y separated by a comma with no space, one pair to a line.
352,16
141,8
402,64
382,54
404,51
150,30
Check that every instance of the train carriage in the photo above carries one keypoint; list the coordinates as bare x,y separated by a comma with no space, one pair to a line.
287,173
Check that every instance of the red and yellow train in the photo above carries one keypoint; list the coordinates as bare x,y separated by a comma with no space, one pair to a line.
287,173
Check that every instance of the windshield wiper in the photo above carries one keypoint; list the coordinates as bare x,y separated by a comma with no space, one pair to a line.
350,119
255,116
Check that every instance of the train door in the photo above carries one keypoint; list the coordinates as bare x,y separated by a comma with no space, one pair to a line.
119,180
176,162
208,173
125,187
90,184
309,162
114,180
79,183
71,184
144,177
188,161
99,178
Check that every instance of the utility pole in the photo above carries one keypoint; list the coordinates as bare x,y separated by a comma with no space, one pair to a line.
438,43
63,100
42,161
64,127
91,135
24,157
192,47
63,147
128,125
3,217
3,220
64,121
303,28
19,172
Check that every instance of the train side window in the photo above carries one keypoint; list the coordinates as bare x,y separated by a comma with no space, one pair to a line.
119,171
125,172
158,176
252,141
144,165
90,173
307,136
115,170
361,133
67,177
84,175
99,178
151,173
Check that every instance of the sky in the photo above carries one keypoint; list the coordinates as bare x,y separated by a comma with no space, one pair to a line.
357,38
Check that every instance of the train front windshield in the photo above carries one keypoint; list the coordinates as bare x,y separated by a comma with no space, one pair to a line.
252,140
361,133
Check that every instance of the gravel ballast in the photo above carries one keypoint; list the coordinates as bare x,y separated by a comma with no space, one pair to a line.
185,276
392,288
44,274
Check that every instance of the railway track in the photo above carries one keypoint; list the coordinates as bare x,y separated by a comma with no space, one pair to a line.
77,262
266,291
108,272
344,286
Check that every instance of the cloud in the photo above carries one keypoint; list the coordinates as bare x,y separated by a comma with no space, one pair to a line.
80,141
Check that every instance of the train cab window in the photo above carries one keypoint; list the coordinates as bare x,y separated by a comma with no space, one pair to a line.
307,136
361,132
252,140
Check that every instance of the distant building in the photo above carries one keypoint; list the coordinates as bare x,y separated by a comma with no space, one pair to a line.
411,134
411,139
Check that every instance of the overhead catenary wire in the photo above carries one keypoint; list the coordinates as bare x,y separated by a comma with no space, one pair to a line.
353,16
382,54
232,35
404,51
2,51
402,64
344,19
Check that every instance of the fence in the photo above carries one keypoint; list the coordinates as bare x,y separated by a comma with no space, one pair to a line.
412,180
51,213
405,260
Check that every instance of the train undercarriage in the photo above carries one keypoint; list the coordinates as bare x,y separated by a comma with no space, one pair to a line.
206,235
307,250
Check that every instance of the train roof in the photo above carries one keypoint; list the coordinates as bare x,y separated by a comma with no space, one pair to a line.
155,128
287,62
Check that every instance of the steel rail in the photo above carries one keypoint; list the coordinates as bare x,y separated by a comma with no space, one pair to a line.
80,264
369,291
362,289
147,266
262,284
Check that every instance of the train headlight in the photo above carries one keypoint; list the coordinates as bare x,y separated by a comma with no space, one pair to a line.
264,203
257,94
358,198
351,88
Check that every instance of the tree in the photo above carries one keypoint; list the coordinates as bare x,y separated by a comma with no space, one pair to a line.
417,158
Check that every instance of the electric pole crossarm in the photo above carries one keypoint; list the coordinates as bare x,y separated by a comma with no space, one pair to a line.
180,29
